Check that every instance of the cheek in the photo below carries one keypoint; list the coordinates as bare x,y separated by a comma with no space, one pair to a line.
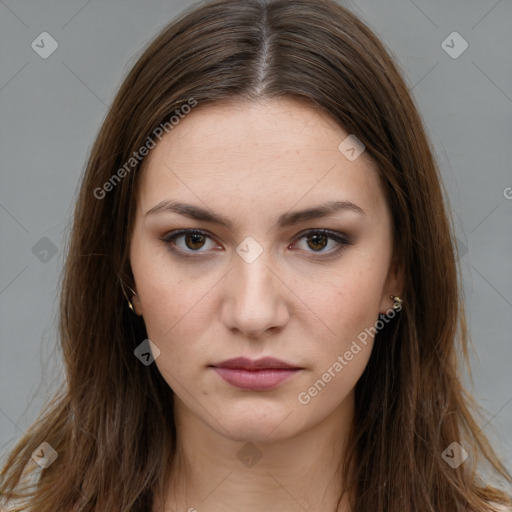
174,315
169,301
352,298
349,318
167,291
349,306
174,310
340,357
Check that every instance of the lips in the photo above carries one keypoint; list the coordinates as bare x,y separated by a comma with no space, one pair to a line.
255,375
243,363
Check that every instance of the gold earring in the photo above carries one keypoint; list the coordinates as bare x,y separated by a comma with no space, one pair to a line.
397,302
130,305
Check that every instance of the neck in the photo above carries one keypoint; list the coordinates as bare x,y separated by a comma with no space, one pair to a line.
212,472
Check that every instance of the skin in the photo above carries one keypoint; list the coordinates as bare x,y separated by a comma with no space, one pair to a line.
297,301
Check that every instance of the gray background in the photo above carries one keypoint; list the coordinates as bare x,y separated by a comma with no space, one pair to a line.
51,110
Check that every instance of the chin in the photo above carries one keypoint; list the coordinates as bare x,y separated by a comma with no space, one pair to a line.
256,425
255,434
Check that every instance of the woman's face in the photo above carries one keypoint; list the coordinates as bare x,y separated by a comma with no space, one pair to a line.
261,282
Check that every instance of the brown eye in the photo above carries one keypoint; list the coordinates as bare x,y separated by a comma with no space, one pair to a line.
196,241
188,241
318,241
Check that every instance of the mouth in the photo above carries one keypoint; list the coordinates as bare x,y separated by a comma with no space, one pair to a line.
255,375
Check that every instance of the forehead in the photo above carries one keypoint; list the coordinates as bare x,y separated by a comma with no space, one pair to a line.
273,152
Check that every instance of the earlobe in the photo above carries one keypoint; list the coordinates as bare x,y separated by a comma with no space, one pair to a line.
393,290
136,306
134,303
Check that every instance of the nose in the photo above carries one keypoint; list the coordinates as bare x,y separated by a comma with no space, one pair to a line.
254,300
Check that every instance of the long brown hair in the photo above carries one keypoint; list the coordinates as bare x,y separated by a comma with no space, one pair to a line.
112,423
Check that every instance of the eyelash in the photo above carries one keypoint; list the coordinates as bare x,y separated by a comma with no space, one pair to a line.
169,239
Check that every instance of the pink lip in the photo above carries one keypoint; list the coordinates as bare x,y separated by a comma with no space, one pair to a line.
257,375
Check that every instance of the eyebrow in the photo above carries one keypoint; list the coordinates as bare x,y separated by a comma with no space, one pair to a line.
284,220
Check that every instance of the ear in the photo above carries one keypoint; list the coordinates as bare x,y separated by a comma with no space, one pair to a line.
394,285
137,305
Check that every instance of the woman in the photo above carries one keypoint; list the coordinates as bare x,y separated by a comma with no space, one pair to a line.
260,305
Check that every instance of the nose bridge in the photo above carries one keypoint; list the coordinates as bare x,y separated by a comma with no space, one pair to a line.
254,302
255,277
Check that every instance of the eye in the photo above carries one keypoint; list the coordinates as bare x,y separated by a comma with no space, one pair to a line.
193,241
318,239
